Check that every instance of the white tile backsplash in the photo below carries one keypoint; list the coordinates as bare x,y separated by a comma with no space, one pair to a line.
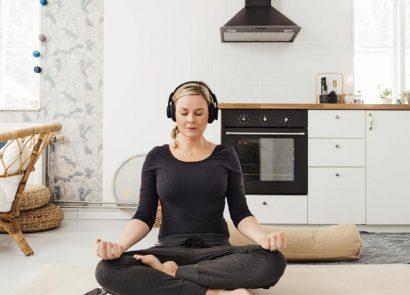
267,72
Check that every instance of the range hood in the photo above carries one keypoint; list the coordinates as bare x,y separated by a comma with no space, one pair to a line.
258,21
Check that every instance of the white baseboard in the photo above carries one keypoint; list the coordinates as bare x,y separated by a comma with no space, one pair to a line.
87,213
122,214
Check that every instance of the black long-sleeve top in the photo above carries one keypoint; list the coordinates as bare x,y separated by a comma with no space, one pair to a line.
192,194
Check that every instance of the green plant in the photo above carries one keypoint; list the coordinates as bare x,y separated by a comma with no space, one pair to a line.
384,92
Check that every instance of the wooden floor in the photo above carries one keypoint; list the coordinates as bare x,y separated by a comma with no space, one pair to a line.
73,242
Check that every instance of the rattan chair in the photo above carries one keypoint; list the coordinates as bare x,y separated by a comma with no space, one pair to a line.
30,142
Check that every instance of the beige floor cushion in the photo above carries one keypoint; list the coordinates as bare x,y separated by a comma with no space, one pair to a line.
333,242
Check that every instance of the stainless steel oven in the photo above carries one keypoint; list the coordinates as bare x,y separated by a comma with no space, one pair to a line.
272,148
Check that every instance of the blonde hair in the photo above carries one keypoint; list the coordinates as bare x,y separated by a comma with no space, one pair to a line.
191,88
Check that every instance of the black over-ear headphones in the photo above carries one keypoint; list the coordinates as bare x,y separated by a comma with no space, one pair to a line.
212,107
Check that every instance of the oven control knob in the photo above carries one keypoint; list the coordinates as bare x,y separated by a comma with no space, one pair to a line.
243,119
285,120
264,119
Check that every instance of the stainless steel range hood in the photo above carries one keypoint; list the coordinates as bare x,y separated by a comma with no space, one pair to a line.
258,21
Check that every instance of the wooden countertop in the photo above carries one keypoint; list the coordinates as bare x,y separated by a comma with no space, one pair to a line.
314,106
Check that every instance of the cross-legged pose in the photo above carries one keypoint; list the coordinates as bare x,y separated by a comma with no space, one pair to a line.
191,178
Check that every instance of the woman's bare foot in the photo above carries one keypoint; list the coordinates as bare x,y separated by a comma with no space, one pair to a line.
168,267
229,292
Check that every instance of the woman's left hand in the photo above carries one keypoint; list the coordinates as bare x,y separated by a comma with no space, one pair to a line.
273,241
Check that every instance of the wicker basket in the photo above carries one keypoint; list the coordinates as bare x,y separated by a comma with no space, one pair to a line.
158,218
34,196
41,219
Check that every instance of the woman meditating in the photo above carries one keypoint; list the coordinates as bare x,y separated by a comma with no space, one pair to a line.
191,177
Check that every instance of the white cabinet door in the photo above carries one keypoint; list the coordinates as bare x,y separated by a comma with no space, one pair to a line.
336,152
274,209
388,167
336,195
336,124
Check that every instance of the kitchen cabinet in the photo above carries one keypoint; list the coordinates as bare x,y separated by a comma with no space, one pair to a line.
336,123
276,209
336,185
360,177
336,195
358,168
388,167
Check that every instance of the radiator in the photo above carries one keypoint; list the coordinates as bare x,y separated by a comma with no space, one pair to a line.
38,176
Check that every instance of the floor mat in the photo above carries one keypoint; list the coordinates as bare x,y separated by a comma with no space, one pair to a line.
379,248
378,279
385,248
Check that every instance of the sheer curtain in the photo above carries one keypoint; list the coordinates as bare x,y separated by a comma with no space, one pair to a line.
19,29
382,48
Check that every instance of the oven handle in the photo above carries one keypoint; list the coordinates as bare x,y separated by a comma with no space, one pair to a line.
265,133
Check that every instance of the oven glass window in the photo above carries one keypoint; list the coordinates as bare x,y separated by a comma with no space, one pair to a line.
267,159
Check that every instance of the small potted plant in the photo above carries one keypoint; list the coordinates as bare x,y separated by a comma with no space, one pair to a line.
385,94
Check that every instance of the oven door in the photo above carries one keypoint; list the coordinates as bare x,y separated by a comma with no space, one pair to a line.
273,160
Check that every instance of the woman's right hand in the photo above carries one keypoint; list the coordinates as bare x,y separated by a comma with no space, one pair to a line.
108,250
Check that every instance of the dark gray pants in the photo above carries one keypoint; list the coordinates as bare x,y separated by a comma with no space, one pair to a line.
205,262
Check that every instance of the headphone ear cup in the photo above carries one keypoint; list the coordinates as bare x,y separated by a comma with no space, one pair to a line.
210,114
169,111
171,106
211,111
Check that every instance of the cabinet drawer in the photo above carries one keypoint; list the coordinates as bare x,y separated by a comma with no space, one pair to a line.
336,152
285,209
336,195
336,124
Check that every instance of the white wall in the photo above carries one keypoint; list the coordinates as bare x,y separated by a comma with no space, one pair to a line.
152,46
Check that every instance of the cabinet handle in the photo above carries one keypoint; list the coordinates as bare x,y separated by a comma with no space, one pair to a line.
337,146
337,174
265,203
371,124
337,117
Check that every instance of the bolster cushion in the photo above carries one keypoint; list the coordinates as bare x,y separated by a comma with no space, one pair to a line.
333,242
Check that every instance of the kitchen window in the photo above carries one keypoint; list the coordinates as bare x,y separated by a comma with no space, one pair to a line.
19,30
382,48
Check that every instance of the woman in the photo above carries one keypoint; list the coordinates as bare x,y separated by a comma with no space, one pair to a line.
191,178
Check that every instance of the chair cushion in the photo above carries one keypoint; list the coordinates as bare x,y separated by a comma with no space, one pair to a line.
333,242
8,189
34,196
13,156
